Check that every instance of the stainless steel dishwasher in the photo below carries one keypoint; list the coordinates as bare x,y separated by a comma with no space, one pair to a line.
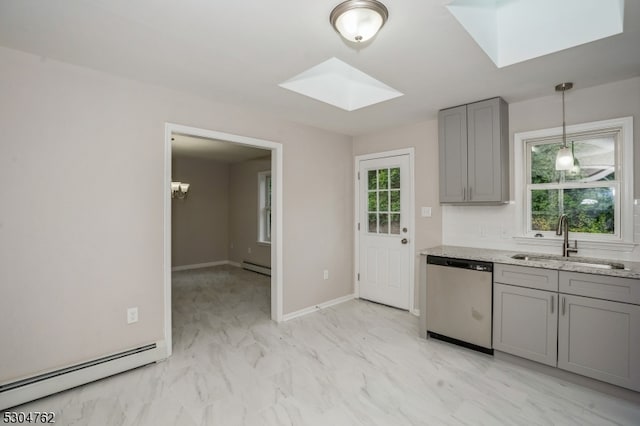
459,302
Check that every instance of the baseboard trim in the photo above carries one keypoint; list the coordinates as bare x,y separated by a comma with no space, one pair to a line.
30,392
203,265
312,309
260,269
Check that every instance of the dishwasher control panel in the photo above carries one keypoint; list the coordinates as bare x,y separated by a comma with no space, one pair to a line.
474,265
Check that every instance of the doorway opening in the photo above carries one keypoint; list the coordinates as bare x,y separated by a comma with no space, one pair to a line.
267,242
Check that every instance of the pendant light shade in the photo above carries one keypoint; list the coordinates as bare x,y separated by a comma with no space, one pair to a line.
564,158
575,169
359,20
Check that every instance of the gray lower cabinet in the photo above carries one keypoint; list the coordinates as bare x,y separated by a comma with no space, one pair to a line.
525,322
588,324
600,339
473,149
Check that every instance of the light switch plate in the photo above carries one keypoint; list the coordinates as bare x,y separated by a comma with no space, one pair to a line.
426,212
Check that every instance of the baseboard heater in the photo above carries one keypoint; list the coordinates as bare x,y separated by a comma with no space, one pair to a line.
264,270
29,389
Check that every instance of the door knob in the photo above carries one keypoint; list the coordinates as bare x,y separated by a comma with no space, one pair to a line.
404,230
404,241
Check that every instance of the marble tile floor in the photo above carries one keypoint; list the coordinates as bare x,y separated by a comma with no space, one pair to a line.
357,363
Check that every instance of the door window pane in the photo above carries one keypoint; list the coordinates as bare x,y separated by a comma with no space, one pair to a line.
384,223
373,223
372,179
373,201
395,177
395,224
383,201
395,201
383,179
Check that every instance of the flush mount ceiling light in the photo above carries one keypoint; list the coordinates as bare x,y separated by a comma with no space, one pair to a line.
564,159
358,20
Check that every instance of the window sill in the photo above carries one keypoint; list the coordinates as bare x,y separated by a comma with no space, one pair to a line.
618,246
264,243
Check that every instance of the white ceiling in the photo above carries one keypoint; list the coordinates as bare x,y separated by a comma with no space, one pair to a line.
212,149
237,53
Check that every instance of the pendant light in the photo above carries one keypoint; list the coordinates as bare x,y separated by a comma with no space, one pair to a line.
564,159
358,20
575,169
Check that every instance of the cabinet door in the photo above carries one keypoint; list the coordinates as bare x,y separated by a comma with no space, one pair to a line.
487,151
600,339
452,143
525,322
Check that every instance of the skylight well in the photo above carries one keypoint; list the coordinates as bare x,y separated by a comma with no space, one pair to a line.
341,85
512,31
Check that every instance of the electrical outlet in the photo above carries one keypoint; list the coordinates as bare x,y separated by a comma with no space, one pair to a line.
249,250
132,315
326,274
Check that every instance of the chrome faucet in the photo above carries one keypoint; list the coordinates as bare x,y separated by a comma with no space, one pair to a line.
563,227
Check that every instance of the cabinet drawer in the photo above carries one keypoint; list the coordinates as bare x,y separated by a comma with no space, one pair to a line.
625,290
523,276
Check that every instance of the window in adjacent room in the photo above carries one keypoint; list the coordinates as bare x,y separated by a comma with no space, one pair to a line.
264,207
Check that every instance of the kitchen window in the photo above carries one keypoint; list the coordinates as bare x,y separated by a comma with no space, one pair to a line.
264,207
596,194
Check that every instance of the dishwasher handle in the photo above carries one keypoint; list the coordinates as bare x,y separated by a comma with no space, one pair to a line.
474,265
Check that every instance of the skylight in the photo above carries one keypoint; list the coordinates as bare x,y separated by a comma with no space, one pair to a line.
341,85
512,31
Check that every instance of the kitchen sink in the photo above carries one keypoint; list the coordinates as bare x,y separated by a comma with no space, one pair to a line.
578,261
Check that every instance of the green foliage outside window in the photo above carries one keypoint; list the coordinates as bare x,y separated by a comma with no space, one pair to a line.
383,202
589,209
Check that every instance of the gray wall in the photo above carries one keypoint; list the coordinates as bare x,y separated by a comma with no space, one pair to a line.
200,222
243,213
82,222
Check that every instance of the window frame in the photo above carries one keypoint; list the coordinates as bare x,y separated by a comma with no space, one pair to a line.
622,239
264,208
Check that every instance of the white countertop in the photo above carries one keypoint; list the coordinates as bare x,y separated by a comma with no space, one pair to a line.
631,269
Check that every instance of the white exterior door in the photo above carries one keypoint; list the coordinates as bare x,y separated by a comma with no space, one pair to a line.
384,220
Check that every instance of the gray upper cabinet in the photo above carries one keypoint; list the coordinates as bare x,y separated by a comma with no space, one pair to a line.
473,144
452,128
